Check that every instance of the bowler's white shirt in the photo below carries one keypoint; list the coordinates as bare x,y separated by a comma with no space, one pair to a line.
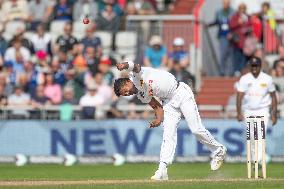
257,90
153,82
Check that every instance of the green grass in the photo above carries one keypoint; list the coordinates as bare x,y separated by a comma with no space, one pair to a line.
133,172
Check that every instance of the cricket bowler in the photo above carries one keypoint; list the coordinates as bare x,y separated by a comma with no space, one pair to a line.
177,98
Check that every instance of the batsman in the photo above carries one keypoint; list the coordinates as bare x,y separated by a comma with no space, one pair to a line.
153,86
256,96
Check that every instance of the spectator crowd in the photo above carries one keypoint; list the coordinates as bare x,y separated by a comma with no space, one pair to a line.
243,34
40,70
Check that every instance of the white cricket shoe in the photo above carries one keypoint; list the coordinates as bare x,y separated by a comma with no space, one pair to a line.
160,175
218,158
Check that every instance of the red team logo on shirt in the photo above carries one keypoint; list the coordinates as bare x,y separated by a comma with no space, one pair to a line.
150,87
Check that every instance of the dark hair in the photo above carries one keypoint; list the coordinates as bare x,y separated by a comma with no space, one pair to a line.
118,83
267,4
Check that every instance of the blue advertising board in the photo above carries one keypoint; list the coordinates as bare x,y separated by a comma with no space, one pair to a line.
131,137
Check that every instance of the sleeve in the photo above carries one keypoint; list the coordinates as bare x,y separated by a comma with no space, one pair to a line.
241,85
271,86
147,53
144,98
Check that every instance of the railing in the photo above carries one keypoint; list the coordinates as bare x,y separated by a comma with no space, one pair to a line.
52,112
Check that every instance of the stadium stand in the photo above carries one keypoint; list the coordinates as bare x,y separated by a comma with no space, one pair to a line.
78,65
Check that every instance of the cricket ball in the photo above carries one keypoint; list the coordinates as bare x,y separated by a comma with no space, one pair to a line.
86,20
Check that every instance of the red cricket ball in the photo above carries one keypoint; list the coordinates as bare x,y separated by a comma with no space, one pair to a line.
86,20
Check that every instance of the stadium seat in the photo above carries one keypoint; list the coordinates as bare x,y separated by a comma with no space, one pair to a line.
125,43
57,27
79,29
106,39
29,35
11,28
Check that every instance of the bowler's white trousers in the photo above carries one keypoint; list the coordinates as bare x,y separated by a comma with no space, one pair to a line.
182,102
260,112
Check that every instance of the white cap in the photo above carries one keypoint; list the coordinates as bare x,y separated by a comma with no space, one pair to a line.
155,40
178,41
92,86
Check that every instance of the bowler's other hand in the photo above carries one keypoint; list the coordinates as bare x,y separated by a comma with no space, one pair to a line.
155,123
274,119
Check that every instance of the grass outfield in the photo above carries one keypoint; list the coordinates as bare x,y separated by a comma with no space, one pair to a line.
187,175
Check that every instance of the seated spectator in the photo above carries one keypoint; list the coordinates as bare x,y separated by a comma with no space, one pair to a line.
22,80
14,10
3,96
133,114
115,7
66,107
8,77
4,82
52,90
131,9
103,89
19,99
66,41
156,54
104,68
90,40
65,60
68,96
76,82
92,60
83,8
41,62
33,77
144,7
58,73
39,99
181,74
41,40
38,12
80,63
108,20
179,55
25,41
18,64
17,48
3,42
63,11
89,102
